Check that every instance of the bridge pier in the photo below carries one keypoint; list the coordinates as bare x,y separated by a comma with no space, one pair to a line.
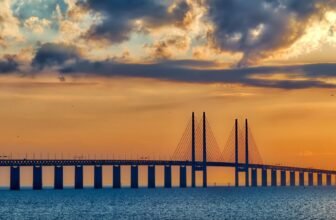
205,179
301,178
116,177
310,179
254,177
15,177
236,155
134,176
274,177
151,176
58,178
37,177
79,177
98,177
264,177
283,177
193,152
319,179
292,178
246,155
183,176
167,176
328,179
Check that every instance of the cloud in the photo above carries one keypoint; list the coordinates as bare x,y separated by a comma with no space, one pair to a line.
36,25
260,28
9,26
8,64
322,70
37,8
54,55
174,29
182,73
169,46
39,20
121,18
67,60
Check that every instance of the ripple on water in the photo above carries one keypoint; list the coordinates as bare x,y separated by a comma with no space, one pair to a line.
199,203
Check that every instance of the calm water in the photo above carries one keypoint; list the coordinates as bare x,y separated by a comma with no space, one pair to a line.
211,203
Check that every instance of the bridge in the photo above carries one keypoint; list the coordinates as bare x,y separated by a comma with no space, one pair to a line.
197,149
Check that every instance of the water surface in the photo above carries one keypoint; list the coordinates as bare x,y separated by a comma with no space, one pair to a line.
176,203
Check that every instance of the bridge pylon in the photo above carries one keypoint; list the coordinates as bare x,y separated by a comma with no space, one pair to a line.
205,184
246,155
236,154
238,167
203,165
193,151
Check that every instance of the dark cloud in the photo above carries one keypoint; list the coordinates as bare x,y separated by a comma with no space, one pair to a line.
184,73
119,17
68,61
321,70
8,64
258,28
50,54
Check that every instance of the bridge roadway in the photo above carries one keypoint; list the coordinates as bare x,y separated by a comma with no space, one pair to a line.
94,162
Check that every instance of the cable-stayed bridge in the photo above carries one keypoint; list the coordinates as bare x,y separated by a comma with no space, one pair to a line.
197,149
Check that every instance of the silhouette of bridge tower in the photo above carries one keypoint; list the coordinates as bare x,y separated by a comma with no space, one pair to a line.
241,149
198,145
193,147
203,166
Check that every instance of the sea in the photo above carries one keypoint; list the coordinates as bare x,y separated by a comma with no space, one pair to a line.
174,203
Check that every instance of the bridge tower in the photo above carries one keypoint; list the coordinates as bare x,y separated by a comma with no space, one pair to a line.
193,151
205,183
239,167
246,155
236,154
198,165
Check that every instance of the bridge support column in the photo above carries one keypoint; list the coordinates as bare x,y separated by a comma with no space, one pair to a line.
205,179
58,179
236,176
254,177
116,177
183,176
274,177
37,177
151,176
246,155
15,178
98,177
319,179
301,178
292,178
79,177
134,176
283,177
264,177
236,154
193,152
310,179
328,179
167,176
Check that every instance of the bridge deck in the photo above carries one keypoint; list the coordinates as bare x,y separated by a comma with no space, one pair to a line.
92,162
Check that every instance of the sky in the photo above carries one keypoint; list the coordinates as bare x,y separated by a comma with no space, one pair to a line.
109,78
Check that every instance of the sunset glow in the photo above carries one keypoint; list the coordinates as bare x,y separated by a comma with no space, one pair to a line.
98,78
